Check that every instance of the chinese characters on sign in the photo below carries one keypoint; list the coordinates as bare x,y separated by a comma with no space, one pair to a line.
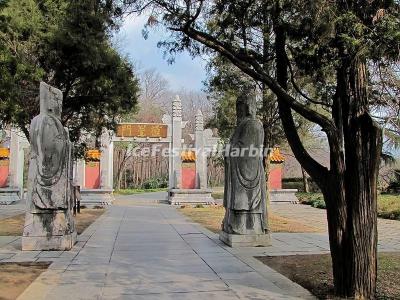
142,130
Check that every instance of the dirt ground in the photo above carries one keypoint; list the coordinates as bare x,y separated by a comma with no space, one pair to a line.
16,277
14,226
211,218
314,272
87,217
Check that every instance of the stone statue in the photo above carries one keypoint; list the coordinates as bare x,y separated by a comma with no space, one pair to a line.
49,223
245,222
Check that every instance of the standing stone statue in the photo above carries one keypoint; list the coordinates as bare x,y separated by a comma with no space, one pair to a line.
245,222
49,223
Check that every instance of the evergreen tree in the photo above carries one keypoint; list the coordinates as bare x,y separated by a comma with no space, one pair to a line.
67,44
333,44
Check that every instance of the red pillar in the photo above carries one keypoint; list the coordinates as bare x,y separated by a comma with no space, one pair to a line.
4,166
92,169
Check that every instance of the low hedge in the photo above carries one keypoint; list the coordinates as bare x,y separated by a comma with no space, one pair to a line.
314,199
297,183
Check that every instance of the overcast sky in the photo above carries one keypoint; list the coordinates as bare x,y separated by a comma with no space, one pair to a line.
185,73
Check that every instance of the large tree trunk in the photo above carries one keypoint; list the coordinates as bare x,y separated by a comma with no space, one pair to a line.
362,144
352,213
350,186
305,181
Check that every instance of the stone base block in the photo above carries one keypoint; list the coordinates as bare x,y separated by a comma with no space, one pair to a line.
247,240
53,243
9,196
284,196
96,198
49,230
191,197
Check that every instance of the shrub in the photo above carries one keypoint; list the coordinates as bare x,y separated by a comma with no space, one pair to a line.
297,183
319,203
314,199
156,183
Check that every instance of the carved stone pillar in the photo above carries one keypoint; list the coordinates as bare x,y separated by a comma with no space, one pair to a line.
106,162
201,158
177,142
16,175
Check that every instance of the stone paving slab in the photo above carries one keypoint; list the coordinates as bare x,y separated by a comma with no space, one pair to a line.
153,252
149,251
8,211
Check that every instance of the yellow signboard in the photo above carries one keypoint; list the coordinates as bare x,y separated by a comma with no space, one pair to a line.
141,130
4,153
93,155
188,156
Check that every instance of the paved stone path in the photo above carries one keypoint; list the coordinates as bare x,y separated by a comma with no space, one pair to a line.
7,211
140,249
150,251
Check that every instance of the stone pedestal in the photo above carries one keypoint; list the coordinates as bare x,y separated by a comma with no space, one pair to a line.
49,231
248,240
10,196
191,197
284,196
96,197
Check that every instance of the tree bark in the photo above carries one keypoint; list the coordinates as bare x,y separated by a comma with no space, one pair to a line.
305,181
350,186
362,145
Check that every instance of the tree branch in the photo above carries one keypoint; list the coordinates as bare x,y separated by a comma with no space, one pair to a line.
248,65
297,88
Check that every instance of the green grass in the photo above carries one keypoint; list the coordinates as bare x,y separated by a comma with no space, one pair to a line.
388,205
218,195
138,191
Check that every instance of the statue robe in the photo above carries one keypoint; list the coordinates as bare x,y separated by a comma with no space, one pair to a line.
49,167
245,184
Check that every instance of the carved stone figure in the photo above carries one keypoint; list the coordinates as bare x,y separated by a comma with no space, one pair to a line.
49,223
245,222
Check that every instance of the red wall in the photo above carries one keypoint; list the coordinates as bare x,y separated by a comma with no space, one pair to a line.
275,177
189,176
4,171
92,175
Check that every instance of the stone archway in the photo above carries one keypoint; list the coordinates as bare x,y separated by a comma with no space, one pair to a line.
169,132
12,159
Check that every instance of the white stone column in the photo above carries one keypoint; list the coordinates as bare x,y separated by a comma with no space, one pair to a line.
79,173
16,169
167,119
177,142
106,161
201,158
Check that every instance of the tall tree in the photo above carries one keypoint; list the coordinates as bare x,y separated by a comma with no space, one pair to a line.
67,44
333,43
225,83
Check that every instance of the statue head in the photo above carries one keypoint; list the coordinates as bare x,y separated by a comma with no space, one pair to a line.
246,106
50,100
